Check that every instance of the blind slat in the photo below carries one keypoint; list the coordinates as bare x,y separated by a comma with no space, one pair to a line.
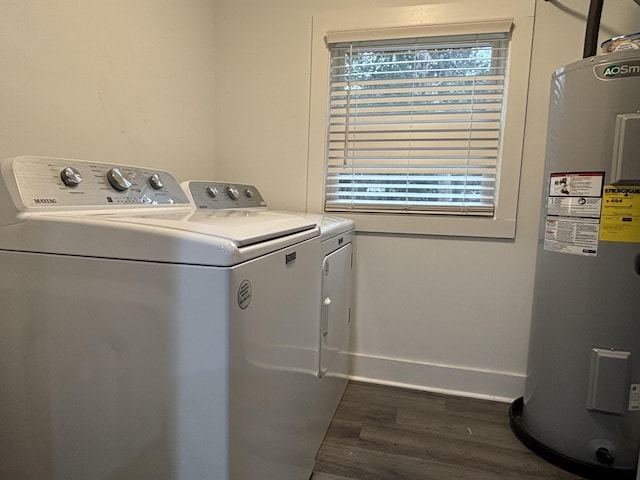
406,118
419,31
341,83
432,128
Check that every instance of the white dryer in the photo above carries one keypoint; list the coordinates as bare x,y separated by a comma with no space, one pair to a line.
333,307
337,240
141,339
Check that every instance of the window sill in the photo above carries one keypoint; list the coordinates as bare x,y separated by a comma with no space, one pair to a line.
415,224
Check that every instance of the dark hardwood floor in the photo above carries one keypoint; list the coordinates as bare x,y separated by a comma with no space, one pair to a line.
387,433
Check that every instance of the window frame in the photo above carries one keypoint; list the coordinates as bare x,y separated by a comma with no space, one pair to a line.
439,18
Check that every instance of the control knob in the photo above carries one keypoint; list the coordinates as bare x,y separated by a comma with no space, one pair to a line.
118,180
248,193
70,177
232,192
155,182
212,191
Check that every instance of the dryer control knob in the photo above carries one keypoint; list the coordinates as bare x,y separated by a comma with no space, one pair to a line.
232,192
249,193
155,182
70,177
212,191
118,180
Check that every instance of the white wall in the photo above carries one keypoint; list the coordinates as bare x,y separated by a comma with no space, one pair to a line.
122,81
437,313
134,81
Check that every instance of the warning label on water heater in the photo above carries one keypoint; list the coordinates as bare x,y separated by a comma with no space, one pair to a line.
620,214
574,205
634,397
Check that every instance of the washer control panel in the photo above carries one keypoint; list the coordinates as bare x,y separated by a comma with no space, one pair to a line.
57,182
218,195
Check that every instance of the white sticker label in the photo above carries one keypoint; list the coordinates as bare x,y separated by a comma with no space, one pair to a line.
570,235
576,184
634,396
574,205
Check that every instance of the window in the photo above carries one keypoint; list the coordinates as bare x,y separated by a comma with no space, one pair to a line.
415,124
387,171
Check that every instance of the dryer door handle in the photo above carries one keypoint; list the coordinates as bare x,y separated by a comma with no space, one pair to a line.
324,320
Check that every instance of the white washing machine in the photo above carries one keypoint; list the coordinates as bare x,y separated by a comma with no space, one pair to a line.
333,310
141,339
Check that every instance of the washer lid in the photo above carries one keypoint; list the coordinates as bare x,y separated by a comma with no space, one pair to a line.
115,211
179,238
240,227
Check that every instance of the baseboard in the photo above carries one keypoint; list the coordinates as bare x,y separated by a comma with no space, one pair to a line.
448,379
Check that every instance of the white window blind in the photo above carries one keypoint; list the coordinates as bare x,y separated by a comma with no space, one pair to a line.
415,124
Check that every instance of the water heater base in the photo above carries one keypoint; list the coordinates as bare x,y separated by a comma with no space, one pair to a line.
587,470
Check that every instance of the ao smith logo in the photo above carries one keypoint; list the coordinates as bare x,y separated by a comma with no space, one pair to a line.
613,71
624,191
45,201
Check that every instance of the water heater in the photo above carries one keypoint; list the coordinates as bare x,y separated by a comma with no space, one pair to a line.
581,407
